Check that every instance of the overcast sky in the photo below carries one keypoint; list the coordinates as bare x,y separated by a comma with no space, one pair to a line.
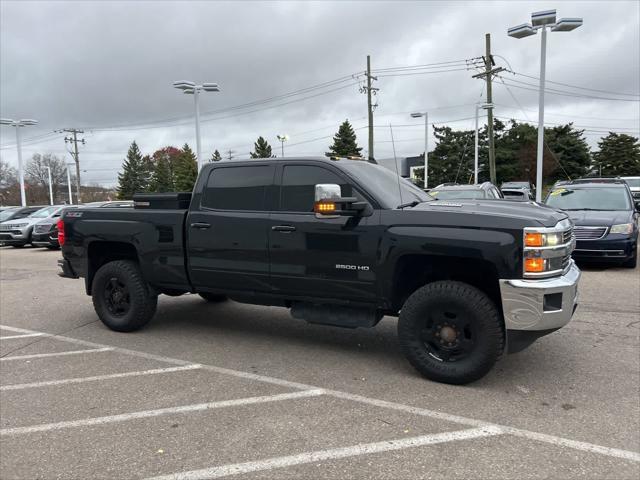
104,64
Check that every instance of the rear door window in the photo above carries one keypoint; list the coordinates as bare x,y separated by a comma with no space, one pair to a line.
238,188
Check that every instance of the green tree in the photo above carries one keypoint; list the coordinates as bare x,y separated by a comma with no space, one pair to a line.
164,162
186,170
344,142
216,157
452,158
618,154
135,174
261,149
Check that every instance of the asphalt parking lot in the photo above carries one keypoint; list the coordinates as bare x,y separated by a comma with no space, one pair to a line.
208,391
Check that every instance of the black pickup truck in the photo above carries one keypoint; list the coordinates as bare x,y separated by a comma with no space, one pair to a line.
340,242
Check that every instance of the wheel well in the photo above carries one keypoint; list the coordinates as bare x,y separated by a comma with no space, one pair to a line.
414,271
100,253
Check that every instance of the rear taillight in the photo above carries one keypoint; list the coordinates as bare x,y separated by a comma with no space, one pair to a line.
60,226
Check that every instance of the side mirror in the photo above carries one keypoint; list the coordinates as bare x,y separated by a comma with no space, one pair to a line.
329,202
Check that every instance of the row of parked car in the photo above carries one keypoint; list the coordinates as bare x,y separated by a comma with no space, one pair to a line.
37,225
605,212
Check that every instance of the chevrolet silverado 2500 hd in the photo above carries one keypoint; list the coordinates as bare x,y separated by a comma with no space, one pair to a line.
342,243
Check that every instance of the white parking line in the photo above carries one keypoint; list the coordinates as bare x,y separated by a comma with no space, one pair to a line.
11,337
161,411
66,381
56,354
540,437
331,454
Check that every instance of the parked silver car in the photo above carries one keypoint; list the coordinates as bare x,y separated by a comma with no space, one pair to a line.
18,232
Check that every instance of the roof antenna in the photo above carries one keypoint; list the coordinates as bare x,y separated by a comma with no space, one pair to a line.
395,161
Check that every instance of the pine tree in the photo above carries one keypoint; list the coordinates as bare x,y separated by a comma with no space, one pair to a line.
262,149
344,142
216,157
135,175
186,170
619,154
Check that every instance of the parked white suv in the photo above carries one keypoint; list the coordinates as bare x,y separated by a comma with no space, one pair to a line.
18,232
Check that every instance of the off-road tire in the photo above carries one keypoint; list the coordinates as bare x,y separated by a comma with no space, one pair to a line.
213,297
142,302
475,307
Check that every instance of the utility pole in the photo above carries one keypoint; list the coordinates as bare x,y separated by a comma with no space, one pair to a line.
488,76
230,153
370,90
74,154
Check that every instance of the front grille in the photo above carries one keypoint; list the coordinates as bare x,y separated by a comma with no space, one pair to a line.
589,233
567,235
42,228
9,226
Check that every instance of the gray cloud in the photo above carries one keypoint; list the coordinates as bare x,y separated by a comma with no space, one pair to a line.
98,64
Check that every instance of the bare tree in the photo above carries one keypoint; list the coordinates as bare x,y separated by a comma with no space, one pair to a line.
37,176
8,175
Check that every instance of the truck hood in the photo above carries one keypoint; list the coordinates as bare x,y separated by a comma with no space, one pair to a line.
600,217
528,211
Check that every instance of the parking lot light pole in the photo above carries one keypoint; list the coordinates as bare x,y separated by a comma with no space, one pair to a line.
542,21
17,124
50,186
69,182
191,88
282,138
426,144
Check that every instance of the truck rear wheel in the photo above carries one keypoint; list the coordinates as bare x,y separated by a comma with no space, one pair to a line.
450,332
121,297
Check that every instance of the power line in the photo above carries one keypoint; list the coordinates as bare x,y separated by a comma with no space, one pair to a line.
554,91
577,86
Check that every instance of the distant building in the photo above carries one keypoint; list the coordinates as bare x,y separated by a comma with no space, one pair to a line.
405,165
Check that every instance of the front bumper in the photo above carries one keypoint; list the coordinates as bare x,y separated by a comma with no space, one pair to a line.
533,308
607,249
44,239
13,237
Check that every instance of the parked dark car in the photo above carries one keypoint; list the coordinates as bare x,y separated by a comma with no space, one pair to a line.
605,219
45,232
479,191
341,243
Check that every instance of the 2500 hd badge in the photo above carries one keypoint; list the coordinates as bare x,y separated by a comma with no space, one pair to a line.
339,242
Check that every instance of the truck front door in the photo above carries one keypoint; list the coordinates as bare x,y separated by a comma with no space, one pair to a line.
227,232
321,257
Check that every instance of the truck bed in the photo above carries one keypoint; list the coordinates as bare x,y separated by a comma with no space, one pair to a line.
157,235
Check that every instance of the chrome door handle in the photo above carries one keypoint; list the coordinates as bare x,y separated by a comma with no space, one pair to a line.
200,225
283,228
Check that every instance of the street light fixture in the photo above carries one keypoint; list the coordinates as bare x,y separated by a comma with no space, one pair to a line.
282,138
191,88
69,181
17,124
426,144
540,21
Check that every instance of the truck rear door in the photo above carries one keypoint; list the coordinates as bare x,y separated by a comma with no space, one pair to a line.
227,229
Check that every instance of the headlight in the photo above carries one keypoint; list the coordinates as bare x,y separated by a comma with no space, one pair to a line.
547,250
625,228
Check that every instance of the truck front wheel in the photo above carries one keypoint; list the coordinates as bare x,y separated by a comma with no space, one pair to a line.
121,297
450,332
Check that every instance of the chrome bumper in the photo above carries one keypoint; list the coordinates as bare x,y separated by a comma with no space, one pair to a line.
540,304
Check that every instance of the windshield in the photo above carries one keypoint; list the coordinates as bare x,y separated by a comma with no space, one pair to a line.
44,212
633,182
457,193
383,184
608,198
515,185
7,214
